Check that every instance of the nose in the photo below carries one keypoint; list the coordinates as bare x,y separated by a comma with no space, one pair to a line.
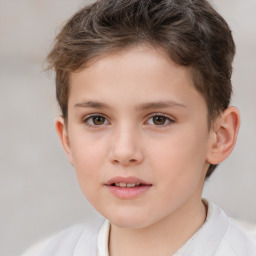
126,148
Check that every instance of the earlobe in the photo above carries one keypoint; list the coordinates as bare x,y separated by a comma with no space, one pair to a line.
63,136
223,135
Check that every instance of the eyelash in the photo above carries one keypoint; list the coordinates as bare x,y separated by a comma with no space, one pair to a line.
167,119
89,119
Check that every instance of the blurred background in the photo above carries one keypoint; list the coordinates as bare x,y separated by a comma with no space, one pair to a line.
39,194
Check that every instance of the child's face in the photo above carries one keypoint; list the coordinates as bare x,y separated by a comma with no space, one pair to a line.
135,117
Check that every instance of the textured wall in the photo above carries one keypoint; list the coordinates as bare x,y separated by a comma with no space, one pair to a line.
38,190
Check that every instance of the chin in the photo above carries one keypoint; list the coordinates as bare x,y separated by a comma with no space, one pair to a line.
130,221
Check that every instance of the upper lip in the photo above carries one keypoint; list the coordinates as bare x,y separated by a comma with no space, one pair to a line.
127,180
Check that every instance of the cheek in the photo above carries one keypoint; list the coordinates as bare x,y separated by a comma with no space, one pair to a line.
88,157
181,154
179,166
87,149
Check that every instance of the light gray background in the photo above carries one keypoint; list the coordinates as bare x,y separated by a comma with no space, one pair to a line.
38,190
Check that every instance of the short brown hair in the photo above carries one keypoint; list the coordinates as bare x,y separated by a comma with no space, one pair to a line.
191,32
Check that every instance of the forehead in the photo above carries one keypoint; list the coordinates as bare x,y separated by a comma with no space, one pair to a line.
139,74
138,61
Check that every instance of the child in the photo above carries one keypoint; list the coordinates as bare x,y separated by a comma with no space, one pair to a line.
144,88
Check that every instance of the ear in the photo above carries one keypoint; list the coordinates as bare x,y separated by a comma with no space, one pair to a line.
223,135
63,135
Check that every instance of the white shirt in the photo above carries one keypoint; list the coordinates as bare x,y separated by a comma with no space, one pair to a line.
218,236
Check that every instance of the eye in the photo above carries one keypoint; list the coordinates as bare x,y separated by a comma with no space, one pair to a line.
160,120
96,120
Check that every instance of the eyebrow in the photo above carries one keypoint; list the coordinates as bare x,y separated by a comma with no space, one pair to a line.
91,104
142,106
160,104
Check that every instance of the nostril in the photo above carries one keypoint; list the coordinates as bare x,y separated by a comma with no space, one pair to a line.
115,161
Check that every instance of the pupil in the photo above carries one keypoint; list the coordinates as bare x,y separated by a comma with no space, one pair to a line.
98,120
159,120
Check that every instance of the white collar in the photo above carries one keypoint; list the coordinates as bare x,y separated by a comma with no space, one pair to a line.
205,240
103,238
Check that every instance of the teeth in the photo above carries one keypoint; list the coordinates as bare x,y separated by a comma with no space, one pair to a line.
130,185
126,185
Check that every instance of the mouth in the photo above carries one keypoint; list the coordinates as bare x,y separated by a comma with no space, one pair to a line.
127,187
127,182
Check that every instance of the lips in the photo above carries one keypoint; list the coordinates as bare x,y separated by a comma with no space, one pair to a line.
126,180
127,187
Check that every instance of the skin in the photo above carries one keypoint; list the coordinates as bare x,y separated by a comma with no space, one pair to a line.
172,151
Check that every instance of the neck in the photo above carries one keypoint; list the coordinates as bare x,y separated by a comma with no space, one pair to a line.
162,238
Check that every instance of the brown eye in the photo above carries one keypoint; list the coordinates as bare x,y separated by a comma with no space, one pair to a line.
159,120
98,120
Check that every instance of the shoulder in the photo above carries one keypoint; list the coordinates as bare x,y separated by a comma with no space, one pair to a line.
71,241
237,240
247,227
220,236
36,248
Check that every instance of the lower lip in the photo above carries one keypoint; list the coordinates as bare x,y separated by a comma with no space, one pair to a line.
128,193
